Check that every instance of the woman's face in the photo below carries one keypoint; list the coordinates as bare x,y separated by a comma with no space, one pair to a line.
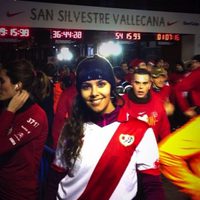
96,94
7,89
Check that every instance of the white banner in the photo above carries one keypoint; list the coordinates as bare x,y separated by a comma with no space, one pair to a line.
49,15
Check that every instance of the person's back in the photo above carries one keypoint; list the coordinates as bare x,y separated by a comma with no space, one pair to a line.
48,102
63,111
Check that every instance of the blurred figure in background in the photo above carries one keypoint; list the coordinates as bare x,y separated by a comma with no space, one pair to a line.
150,64
175,75
161,88
48,102
122,86
160,62
190,85
124,65
138,63
64,109
177,72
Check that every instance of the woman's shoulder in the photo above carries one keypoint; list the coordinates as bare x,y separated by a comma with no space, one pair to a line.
35,111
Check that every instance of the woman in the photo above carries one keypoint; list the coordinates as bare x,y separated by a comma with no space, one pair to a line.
99,151
23,130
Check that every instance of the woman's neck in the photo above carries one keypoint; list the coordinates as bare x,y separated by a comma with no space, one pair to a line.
106,118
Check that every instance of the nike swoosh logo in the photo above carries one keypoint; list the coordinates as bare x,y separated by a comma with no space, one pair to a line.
13,14
141,113
171,23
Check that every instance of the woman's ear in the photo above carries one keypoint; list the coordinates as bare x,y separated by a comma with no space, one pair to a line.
18,86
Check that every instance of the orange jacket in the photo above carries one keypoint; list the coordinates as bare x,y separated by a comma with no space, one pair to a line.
180,158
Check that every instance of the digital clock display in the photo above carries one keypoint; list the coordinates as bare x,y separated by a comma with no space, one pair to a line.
66,34
14,32
167,37
128,36
137,36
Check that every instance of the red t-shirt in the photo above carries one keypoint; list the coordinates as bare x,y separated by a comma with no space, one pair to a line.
152,112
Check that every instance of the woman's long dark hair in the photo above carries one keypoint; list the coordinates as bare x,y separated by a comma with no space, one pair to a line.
35,82
71,139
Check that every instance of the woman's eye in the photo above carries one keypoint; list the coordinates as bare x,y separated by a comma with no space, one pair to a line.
85,86
101,83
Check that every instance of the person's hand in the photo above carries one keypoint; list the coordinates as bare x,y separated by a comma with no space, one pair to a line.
190,112
18,101
169,108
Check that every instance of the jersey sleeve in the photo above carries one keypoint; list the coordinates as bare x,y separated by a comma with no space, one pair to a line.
16,131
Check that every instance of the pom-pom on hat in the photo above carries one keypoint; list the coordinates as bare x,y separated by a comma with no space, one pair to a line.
93,68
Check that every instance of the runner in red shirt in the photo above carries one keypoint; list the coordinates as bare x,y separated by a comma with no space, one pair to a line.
145,105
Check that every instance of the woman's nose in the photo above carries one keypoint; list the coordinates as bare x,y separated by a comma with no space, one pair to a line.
94,91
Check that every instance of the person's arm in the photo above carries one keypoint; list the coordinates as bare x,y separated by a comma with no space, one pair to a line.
187,84
21,132
169,107
176,153
148,168
19,129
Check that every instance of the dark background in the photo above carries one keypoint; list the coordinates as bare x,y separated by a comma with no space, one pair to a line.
186,6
